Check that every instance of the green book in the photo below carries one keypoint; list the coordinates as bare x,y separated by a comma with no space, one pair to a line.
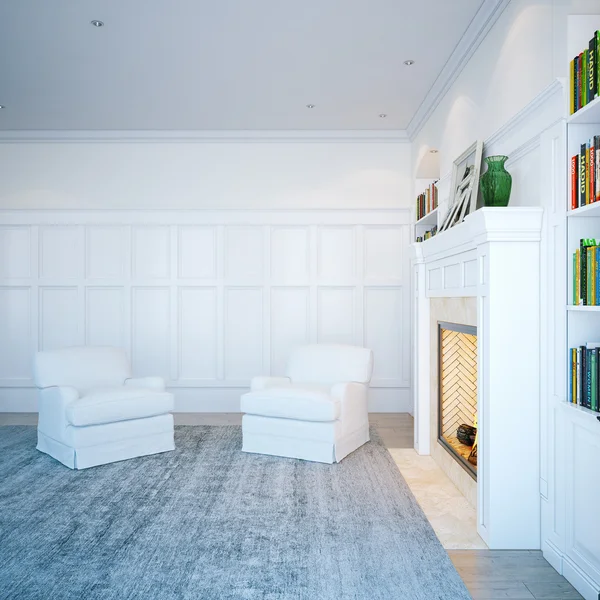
584,68
591,83
597,35
575,278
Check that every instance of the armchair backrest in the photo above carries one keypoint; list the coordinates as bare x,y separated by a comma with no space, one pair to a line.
330,363
81,367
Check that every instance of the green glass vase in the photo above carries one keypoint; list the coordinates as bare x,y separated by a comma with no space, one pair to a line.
496,182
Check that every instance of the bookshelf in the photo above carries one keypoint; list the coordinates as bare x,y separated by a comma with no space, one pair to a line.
430,219
570,482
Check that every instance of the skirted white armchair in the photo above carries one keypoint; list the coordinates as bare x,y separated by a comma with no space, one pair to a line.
317,412
92,412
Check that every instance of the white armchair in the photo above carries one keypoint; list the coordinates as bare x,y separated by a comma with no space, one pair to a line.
92,412
317,412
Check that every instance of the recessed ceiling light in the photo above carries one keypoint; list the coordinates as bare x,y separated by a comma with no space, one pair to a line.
433,151
97,23
408,63
310,106
2,106
382,116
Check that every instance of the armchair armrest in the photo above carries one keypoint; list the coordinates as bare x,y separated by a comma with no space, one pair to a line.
353,399
151,383
263,383
52,407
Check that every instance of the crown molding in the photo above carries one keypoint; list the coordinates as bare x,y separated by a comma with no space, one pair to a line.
478,28
206,136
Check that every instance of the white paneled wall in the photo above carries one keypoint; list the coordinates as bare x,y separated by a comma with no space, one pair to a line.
206,299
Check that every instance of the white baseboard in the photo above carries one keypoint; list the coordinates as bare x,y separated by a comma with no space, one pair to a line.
579,580
571,572
553,556
218,400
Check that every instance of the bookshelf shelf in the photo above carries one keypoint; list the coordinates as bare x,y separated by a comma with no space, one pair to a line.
585,412
429,219
573,308
591,210
589,114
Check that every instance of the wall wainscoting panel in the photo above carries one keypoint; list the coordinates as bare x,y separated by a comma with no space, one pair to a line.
207,299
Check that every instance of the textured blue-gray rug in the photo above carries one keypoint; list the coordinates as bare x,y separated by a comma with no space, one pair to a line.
209,522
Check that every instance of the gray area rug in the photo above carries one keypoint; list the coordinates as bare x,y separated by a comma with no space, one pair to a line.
210,522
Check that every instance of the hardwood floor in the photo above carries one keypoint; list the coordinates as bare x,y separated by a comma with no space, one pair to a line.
488,574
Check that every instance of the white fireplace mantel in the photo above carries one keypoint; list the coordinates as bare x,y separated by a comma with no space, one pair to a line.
494,257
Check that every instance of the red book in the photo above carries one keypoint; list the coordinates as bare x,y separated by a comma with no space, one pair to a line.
592,172
574,181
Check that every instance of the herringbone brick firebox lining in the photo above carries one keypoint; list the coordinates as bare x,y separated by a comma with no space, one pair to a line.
458,380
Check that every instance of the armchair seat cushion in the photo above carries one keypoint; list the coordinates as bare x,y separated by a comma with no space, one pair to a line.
110,405
305,403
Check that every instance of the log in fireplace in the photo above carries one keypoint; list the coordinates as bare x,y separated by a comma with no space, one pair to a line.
457,393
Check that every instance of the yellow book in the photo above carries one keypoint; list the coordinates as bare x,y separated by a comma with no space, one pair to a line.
572,87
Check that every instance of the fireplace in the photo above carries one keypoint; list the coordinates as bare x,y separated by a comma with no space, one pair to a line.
457,393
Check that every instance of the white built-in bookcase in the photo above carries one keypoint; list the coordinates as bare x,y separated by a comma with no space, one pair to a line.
570,482
430,220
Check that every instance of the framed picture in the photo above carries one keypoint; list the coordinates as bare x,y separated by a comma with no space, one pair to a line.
464,186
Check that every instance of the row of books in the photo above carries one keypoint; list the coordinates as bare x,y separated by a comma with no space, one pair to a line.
584,377
584,86
586,273
585,174
427,201
428,234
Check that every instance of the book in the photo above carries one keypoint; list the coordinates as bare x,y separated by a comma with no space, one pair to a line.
597,276
594,379
578,387
582,378
573,377
582,175
574,181
592,172
575,294
592,77
572,86
597,36
577,278
583,272
584,78
580,103
597,166
588,274
576,83
587,172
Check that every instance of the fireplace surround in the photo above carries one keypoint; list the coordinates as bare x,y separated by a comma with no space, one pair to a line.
485,272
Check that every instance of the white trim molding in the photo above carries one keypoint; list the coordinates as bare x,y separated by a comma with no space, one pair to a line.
486,16
206,136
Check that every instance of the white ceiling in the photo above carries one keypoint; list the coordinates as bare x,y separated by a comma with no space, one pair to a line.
222,64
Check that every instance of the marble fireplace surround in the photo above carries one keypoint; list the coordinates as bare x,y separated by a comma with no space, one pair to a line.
486,272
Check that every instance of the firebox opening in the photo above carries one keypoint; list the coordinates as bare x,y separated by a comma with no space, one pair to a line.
457,393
